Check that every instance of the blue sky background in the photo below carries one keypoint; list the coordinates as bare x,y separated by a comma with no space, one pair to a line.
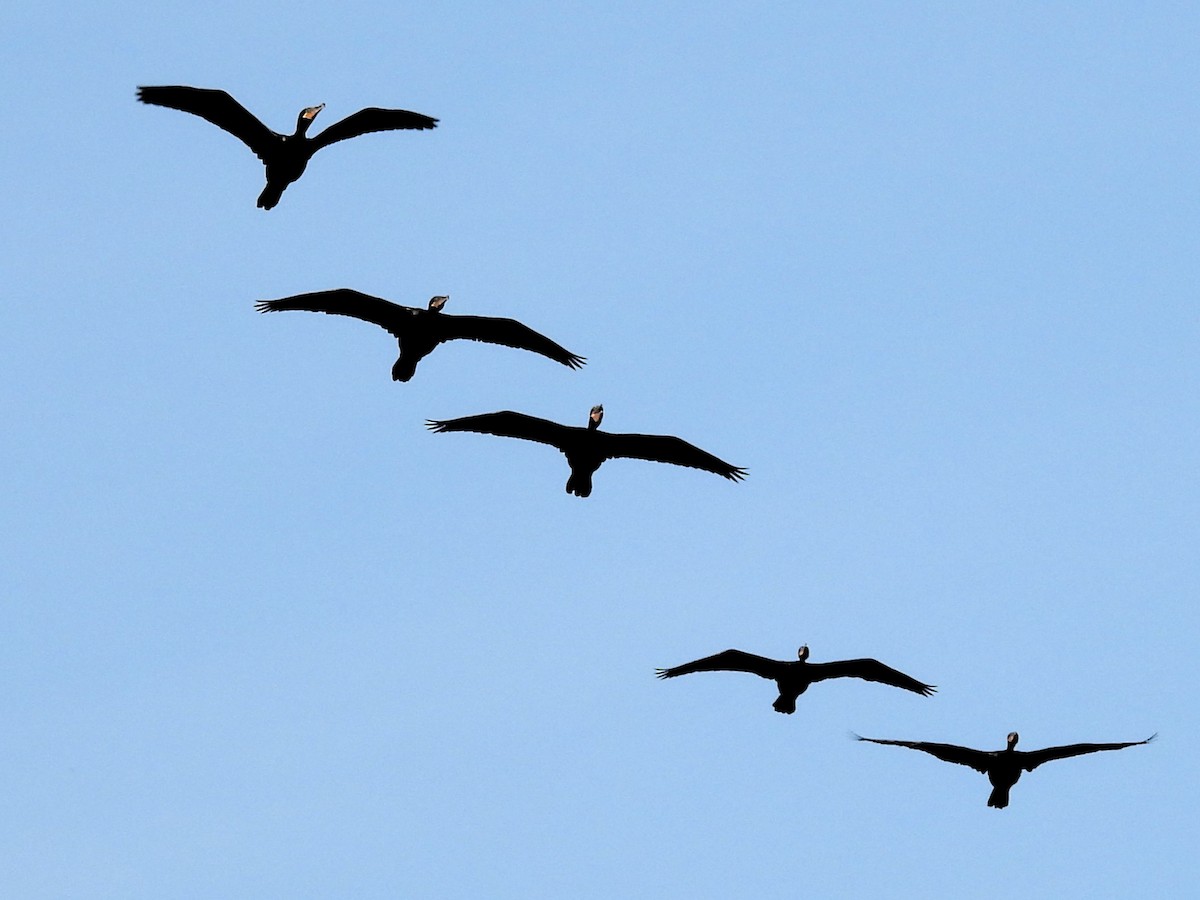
927,270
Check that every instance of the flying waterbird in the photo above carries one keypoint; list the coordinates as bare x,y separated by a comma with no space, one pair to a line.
1003,767
419,331
587,448
284,155
793,677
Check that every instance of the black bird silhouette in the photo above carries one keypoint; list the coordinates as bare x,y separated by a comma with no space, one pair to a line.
284,155
419,331
794,676
1003,767
587,448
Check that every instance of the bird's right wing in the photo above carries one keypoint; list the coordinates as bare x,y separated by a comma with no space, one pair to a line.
668,449
728,661
508,424
868,670
371,119
1032,759
509,333
952,753
217,107
345,302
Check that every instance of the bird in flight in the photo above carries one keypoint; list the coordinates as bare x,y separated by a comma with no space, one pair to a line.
1003,767
419,331
284,155
793,677
587,448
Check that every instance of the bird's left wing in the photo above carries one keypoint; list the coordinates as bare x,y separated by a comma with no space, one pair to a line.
507,424
668,449
1031,759
508,332
346,302
868,670
952,753
215,106
728,661
371,119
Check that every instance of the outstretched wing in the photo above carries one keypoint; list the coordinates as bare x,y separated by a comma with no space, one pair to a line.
508,424
952,753
1031,759
729,661
868,670
508,332
667,449
217,107
345,302
371,119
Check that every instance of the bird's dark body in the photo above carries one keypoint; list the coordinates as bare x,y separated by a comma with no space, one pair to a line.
285,156
1003,773
285,163
416,341
791,686
583,463
1003,770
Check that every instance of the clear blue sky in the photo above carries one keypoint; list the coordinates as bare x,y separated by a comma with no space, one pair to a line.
928,270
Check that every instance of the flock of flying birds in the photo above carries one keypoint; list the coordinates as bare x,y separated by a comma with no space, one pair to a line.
419,331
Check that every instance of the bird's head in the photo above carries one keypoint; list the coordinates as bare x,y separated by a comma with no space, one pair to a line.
802,653
436,303
595,417
1013,737
306,117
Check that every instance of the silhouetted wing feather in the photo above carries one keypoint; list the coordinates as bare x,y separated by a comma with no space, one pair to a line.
667,449
371,119
345,302
217,107
508,424
1031,759
868,670
729,661
952,753
508,332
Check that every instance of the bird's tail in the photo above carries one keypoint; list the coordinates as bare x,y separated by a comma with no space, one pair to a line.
580,484
999,798
404,369
786,705
270,196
